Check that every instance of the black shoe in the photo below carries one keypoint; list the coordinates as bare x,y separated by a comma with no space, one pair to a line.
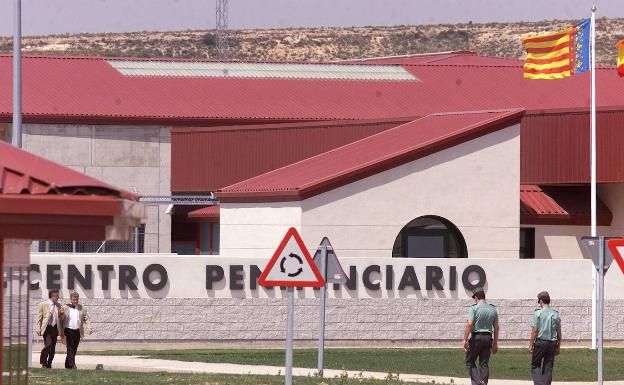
44,366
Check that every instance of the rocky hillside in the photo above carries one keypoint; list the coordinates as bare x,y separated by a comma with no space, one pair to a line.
320,44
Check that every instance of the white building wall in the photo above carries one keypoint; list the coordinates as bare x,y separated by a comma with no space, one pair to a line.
475,185
255,229
134,158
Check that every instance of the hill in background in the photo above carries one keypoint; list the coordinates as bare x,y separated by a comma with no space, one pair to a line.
321,44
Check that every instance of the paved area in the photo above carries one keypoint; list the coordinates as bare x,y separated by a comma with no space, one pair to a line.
140,364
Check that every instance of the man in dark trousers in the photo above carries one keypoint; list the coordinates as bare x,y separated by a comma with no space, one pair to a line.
76,320
482,327
49,323
545,341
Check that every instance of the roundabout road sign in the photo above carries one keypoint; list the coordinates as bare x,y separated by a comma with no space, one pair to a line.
291,265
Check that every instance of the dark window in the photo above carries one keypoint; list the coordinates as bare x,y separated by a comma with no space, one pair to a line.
429,237
527,243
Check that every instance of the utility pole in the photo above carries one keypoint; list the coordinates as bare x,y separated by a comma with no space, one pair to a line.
222,28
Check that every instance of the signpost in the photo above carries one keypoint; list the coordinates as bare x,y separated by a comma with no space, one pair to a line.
292,266
602,258
326,260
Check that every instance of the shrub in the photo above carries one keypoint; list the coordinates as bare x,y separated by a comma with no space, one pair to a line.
209,39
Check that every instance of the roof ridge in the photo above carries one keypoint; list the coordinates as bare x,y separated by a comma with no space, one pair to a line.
460,52
192,60
430,64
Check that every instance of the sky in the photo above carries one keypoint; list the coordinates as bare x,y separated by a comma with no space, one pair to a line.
47,17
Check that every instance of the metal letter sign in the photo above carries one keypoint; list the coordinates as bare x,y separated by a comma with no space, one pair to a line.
291,265
592,245
616,246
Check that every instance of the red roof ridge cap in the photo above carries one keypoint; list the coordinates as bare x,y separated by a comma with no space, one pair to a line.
191,60
409,55
468,65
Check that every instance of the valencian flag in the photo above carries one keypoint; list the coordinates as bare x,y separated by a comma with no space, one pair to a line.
620,60
559,54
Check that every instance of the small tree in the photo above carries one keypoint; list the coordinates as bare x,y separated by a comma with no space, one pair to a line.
209,39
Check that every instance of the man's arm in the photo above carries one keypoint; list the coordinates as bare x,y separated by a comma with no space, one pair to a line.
467,330
532,338
495,343
39,319
61,312
558,349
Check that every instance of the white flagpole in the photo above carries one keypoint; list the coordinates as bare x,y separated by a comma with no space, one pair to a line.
593,162
16,134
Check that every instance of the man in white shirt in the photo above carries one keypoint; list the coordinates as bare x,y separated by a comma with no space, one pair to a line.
50,315
75,321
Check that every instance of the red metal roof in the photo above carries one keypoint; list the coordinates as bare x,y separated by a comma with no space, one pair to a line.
560,205
369,156
211,212
24,173
40,199
90,90
265,148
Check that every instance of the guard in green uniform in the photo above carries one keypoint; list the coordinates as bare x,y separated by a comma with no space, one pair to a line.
545,341
482,327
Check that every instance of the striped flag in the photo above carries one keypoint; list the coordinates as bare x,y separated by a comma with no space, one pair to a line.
620,59
559,54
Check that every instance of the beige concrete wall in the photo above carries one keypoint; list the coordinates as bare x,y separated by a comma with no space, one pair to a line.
243,313
475,185
562,242
135,158
255,229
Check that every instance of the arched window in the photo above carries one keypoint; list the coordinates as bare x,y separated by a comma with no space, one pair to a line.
429,237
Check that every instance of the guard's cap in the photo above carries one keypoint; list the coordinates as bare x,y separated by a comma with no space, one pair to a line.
74,294
477,290
543,296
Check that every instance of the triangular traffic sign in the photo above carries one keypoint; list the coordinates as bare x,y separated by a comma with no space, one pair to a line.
617,249
592,245
334,272
291,265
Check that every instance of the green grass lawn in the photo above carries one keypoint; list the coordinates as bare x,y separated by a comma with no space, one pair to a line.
103,377
571,365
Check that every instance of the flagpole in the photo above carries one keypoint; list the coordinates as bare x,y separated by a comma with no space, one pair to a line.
16,134
593,162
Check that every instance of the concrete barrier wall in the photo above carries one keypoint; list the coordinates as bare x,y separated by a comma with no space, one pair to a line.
234,308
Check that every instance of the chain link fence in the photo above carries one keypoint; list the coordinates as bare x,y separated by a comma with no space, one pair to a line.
135,245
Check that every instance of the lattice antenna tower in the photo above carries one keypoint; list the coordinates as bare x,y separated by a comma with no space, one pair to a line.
222,28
